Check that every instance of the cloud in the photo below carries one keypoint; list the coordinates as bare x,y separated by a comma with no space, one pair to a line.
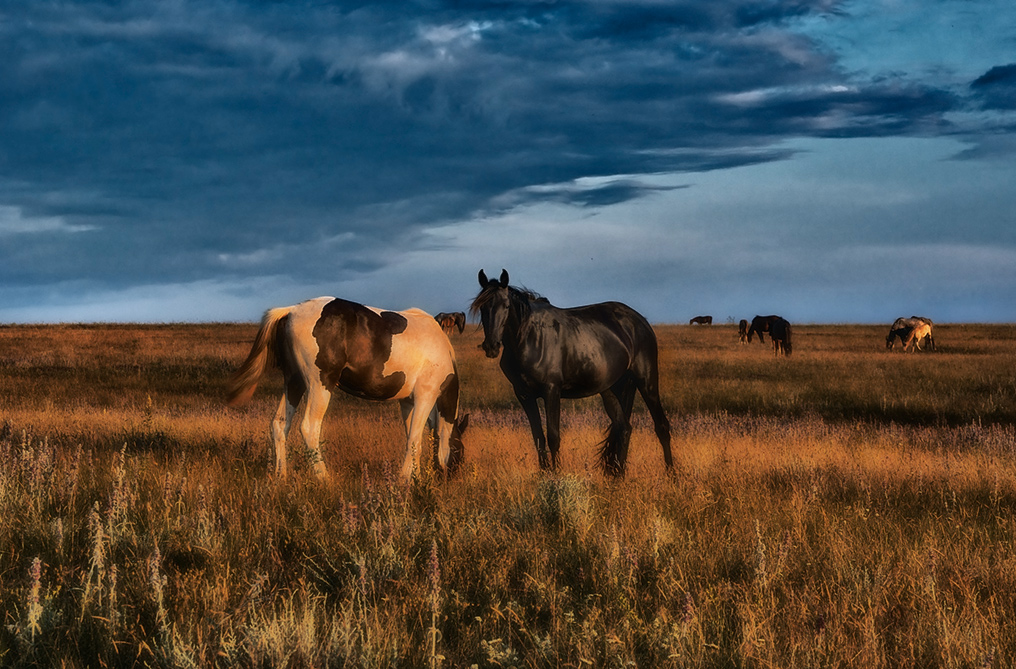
225,141
14,222
997,87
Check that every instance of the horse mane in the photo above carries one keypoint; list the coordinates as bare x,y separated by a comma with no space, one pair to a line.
521,298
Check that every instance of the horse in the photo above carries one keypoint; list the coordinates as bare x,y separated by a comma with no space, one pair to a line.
553,353
328,344
742,331
904,327
450,321
701,320
760,324
780,335
912,332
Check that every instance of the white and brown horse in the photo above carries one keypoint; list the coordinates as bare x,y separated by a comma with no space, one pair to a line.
328,344
914,333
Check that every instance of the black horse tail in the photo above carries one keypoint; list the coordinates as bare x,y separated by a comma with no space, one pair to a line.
787,346
614,450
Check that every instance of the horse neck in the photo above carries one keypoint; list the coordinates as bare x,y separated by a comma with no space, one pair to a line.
519,311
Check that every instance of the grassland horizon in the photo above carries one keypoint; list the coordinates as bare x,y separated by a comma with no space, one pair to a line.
845,506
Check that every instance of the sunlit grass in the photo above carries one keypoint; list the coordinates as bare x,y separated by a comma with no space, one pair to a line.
843,507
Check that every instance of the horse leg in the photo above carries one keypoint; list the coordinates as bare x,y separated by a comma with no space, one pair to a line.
614,454
415,426
532,411
280,428
313,416
552,403
443,432
650,390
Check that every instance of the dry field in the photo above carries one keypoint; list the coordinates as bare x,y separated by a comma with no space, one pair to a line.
844,507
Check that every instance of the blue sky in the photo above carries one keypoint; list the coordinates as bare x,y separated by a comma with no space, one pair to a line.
204,160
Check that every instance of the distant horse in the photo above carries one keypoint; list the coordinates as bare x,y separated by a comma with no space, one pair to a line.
778,329
913,333
329,344
450,321
903,328
551,353
759,324
701,320
779,332
742,331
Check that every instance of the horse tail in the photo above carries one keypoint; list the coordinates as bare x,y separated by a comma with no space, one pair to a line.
787,347
614,450
244,380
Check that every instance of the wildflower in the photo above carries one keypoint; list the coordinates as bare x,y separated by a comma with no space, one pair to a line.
34,605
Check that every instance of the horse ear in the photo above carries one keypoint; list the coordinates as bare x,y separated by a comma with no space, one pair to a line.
482,276
504,278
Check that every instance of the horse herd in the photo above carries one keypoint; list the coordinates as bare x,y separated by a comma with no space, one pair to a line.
546,352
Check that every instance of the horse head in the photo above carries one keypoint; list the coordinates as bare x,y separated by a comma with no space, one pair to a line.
493,303
456,449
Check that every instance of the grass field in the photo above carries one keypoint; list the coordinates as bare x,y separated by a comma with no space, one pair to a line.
844,507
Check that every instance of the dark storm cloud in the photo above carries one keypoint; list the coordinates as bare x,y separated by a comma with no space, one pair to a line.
156,142
997,87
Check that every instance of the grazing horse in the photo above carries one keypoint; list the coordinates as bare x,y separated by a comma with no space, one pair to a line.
450,321
912,333
779,332
760,324
904,327
328,344
701,320
607,349
742,331
778,329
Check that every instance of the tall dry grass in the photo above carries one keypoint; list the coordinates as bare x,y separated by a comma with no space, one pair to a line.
843,507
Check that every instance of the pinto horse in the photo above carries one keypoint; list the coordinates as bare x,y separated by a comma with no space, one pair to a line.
917,328
450,321
550,353
328,344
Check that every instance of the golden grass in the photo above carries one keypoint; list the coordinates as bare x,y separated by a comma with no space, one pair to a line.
842,507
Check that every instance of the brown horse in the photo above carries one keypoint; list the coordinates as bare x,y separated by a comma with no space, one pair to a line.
742,331
450,321
701,320
779,332
328,344
778,329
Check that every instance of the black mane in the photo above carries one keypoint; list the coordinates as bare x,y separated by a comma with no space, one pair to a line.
521,298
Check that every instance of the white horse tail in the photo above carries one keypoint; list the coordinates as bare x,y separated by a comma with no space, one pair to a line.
244,381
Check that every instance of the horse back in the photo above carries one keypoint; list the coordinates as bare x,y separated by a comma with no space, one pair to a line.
365,351
586,349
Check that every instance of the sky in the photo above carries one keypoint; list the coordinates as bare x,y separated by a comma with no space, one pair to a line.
204,160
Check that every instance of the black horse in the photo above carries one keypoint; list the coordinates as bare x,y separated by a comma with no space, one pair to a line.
779,331
607,349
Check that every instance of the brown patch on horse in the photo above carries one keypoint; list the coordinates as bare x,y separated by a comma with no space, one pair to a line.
354,343
284,360
448,401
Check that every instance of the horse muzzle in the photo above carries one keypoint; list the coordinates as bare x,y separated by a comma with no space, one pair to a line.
491,350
